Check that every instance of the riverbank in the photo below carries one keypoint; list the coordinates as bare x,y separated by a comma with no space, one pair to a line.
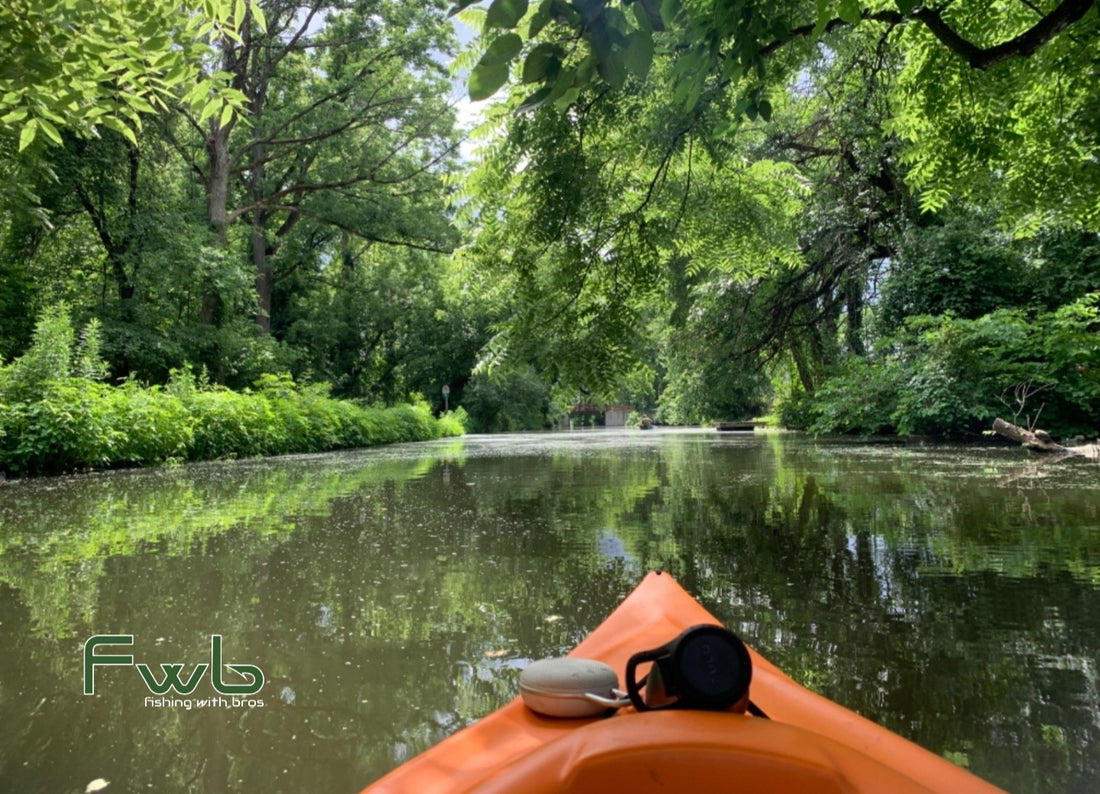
79,424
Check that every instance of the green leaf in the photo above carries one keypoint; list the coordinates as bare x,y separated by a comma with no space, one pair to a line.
612,69
537,99
906,6
50,130
669,10
732,69
118,126
505,13
502,50
695,90
726,128
849,11
538,60
564,12
585,70
689,64
459,6
196,94
486,79
616,22
566,81
141,104
258,15
540,19
639,53
824,14
26,136
759,65
209,108
159,44
648,14
564,86
567,99
16,115
765,108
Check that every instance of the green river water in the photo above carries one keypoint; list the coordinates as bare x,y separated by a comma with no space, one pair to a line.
392,596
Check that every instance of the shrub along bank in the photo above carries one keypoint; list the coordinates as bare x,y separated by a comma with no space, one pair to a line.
56,415
951,377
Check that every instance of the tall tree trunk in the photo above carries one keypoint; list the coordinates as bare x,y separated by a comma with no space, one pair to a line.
265,275
805,376
217,185
261,251
853,298
117,237
217,206
347,258
127,281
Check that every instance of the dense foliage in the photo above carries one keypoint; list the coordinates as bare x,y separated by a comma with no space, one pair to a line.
952,376
860,216
72,64
292,221
980,85
56,415
866,215
274,239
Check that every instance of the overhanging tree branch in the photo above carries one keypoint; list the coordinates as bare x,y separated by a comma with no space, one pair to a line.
1020,46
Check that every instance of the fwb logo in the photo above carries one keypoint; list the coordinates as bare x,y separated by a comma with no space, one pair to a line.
172,679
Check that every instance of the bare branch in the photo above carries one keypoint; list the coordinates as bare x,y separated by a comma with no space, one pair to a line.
269,67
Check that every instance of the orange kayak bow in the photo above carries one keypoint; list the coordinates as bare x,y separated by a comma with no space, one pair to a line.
805,744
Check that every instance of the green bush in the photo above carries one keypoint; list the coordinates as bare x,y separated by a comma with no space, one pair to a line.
153,426
860,398
513,400
76,424
49,356
228,424
1070,343
64,427
408,423
793,407
453,423
951,376
56,416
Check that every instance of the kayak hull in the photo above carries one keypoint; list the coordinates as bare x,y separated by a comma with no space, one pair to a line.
808,744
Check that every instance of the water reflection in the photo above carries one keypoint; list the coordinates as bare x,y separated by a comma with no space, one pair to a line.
391,596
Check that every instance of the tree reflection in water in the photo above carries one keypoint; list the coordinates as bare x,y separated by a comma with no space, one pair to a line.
392,596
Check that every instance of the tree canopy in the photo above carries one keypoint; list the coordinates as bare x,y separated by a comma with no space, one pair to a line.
984,93
84,64
708,192
705,210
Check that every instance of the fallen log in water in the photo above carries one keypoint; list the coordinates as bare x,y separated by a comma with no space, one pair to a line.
1040,441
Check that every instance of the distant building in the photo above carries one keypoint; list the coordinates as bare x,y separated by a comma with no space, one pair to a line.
615,415
612,415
